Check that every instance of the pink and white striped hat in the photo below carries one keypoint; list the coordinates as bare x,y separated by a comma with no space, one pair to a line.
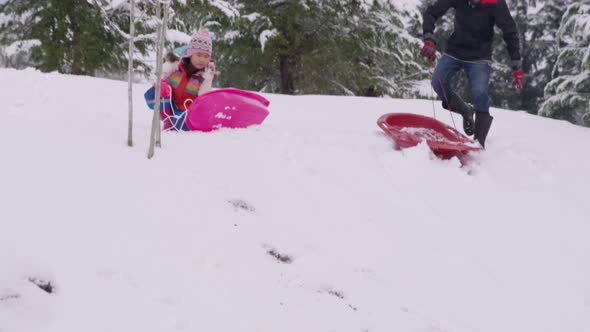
200,42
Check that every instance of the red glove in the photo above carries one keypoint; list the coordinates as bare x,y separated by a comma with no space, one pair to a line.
429,50
519,78
165,89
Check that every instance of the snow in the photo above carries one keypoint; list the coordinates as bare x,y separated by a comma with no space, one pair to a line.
402,4
265,35
176,36
424,88
21,46
229,10
231,35
310,222
406,4
3,17
252,16
118,4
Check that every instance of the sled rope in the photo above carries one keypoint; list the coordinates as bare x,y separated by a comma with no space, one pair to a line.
173,116
185,107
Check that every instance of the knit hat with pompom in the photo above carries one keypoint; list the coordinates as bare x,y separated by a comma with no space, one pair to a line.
200,42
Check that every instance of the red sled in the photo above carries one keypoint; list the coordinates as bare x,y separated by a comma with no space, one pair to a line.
407,130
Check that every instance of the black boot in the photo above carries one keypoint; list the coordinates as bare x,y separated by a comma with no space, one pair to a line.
466,111
483,122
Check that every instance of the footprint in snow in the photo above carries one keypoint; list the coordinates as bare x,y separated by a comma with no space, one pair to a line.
338,294
240,204
45,285
283,258
8,296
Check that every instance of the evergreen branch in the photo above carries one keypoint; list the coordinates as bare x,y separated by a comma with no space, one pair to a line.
113,25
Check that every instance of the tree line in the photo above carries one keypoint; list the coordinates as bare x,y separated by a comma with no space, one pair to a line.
335,47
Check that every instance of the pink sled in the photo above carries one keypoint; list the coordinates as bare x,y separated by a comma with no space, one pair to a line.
227,108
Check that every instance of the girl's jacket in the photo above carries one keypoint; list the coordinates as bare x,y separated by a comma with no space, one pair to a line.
184,86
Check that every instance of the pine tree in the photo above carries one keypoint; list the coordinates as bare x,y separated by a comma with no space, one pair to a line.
264,50
502,89
537,25
320,47
192,15
370,52
540,50
217,16
116,20
568,94
68,36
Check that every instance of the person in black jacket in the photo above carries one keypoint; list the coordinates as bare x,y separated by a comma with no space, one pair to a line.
470,49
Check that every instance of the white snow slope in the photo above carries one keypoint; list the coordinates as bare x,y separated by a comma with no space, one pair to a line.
378,240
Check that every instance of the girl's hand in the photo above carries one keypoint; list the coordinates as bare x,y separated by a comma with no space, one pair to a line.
210,72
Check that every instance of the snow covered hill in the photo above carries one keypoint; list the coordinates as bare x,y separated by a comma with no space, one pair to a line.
311,222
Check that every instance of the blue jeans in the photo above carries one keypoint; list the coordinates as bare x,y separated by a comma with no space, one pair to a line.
478,75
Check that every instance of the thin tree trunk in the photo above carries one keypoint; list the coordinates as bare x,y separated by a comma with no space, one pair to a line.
287,68
130,85
156,118
74,47
163,42
522,23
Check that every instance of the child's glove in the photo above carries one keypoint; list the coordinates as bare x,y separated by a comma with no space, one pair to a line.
164,89
210,72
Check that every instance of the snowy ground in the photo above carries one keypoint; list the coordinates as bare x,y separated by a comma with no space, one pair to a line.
369,239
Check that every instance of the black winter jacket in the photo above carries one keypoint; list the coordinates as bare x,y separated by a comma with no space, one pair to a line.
474,28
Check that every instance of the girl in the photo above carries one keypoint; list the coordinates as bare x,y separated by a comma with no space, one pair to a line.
195,71
193,77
